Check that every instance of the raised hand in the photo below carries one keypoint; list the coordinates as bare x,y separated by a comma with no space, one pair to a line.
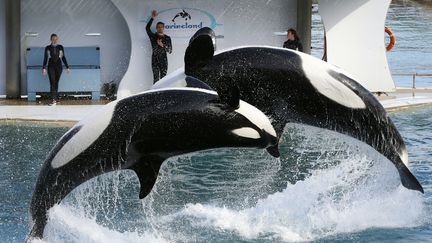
154,14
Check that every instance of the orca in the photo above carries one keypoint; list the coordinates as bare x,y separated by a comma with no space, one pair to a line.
139,133
293,87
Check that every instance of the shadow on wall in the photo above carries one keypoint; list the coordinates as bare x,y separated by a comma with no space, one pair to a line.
72,20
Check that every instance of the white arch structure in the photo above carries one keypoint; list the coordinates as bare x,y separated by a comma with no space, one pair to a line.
355,40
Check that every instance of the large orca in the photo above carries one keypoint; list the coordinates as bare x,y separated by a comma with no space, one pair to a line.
139,133
293,87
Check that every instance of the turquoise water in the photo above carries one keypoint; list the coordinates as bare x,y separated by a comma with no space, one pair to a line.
325,188
23,148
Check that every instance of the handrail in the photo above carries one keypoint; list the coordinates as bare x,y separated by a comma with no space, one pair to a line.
414,75
411,74
423,74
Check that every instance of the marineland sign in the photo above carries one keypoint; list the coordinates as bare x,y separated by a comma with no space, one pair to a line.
184,22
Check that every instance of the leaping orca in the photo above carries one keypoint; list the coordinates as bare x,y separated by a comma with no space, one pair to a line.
139,133
293,87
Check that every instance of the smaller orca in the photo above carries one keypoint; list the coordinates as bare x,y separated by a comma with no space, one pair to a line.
293,87
139,133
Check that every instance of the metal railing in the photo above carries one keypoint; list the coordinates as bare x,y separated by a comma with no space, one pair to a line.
413,75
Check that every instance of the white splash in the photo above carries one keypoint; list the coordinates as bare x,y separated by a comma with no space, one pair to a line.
349,197
69,225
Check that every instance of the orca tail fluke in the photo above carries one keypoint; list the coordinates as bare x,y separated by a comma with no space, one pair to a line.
408,179
35,233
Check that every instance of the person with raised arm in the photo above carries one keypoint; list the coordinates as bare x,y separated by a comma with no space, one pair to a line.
161,45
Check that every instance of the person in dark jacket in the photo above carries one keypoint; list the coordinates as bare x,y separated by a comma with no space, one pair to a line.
293,41
161,45
53,56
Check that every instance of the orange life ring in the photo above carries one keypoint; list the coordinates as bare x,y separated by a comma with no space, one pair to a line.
392,38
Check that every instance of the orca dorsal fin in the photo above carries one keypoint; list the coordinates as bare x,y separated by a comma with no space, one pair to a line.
147,170
230,95
200,50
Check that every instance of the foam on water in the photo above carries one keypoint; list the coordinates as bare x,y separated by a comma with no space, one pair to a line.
229,195
68,225
348,198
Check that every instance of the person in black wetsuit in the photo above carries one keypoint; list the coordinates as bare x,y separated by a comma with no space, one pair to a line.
161,45
293,41
54,55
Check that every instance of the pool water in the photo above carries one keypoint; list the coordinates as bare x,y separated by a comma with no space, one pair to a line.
23,147
325,187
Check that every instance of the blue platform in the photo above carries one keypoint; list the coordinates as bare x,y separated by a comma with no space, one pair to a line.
85,76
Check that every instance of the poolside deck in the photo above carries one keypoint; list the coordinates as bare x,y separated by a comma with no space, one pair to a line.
406,98
71,111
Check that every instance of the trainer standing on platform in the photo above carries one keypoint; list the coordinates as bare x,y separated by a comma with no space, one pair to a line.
161,45
293,41
54,55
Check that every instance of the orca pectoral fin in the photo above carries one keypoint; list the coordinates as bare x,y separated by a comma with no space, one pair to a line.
201,49
147,170
407,178
274,151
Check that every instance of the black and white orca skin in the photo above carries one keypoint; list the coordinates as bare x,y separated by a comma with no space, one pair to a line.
293,87
139,133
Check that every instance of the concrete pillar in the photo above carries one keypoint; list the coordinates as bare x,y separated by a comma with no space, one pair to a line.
2,49
13,48
304,23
